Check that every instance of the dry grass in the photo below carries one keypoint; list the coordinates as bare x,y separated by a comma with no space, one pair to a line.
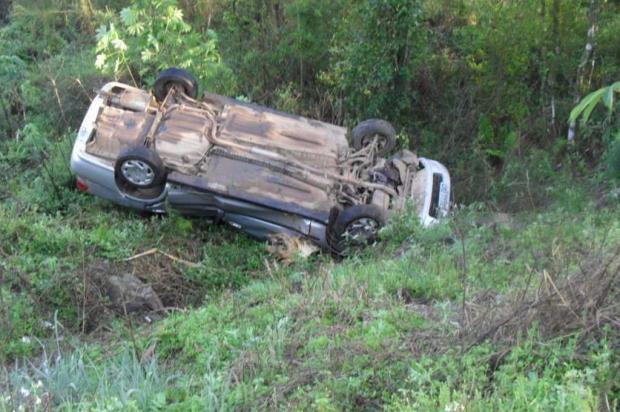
582,304
287,248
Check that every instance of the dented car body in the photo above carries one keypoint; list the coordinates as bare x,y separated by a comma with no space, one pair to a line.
260,170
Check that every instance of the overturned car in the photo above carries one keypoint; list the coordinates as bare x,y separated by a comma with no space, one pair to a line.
262,171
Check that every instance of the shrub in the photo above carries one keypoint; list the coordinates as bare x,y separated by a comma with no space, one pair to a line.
374,56
151,36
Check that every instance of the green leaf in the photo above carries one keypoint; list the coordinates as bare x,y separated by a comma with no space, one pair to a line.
175,14
100,61
119,45
102,32
608,98
136,29
586,105
591,104
128,16
146,55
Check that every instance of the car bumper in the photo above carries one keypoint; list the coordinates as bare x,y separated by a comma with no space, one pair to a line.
437,192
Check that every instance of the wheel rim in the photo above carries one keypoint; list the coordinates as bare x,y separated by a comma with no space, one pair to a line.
379,138
138,172
361,231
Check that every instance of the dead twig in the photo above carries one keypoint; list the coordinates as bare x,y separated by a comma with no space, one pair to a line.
547,278
79,82
169,256
62,110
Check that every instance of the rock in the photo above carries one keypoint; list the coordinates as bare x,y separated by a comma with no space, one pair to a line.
130,294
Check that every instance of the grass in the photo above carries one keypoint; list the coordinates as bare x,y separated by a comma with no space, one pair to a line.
385,328
382,329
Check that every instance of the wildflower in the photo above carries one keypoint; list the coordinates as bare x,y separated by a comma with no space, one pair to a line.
38,384
24,392
454,407
37,401
26,340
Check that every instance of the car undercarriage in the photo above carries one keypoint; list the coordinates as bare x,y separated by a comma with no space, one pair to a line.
220,147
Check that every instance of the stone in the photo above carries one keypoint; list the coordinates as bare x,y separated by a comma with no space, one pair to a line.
130,294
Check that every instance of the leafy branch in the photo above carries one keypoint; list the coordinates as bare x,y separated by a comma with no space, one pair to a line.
150,36
588,103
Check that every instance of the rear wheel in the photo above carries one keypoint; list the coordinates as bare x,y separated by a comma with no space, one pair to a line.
140,172
356,227
177,78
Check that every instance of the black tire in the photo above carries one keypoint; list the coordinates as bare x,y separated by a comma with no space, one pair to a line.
139,169
175,77
363,134
340,238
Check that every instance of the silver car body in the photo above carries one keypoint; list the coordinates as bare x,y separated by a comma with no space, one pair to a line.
259,219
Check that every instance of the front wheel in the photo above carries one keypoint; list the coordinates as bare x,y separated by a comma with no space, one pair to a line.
371,130
356,227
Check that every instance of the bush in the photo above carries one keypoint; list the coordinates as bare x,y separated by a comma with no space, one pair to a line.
374,58
150,36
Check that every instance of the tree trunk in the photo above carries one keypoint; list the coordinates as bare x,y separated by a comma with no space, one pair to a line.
555,33
587,57
5,9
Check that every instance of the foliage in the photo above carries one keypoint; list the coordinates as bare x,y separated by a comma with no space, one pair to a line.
375,55
47,67
151,36
589,103
78,382
280,47
584,109
518,384
11,74
368,331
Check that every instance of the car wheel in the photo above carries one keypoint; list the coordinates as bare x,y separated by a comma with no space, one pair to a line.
178,78
356,227
367,131
139,168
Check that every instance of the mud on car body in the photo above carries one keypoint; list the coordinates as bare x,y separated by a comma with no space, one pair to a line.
258,169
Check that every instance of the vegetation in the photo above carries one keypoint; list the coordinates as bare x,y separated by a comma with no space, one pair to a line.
510,304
